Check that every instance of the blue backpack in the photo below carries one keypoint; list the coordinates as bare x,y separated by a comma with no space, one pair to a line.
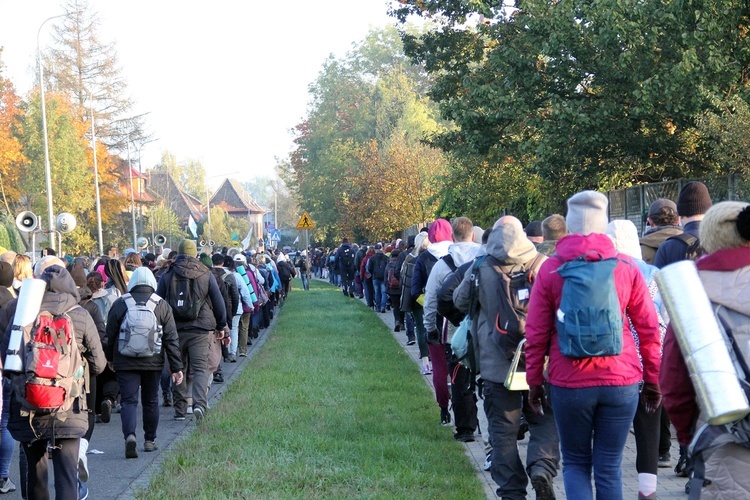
589,322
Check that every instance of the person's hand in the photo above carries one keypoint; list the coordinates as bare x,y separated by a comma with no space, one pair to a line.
650,397
226,341
433,337
537,399
177,378
226,331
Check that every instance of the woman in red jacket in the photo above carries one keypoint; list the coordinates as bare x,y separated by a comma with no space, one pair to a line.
593,399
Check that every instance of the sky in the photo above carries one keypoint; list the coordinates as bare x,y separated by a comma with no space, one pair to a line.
223,82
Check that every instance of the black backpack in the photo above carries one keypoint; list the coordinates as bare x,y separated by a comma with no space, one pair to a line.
693,249
347,257
380,261
182,295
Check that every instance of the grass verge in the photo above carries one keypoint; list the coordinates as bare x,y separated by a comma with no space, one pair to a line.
331,406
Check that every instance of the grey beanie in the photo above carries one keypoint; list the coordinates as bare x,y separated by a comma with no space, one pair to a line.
142,276
587,213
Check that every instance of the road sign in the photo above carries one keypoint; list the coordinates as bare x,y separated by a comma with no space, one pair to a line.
276,236
270,228
305,222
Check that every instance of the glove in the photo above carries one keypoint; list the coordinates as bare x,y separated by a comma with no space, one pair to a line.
537,399
650,397
433,337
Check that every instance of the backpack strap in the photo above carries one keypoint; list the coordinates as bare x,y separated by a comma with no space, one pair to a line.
152,302
129,300
687,238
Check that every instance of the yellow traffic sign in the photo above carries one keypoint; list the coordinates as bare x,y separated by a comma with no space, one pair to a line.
305,222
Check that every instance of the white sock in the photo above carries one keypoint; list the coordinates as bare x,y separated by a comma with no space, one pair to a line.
647,483
425,363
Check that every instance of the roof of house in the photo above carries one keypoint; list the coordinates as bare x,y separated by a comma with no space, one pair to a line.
166,187
233,198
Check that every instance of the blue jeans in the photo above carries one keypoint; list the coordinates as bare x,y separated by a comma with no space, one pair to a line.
7,443
381,297
305,284
601,414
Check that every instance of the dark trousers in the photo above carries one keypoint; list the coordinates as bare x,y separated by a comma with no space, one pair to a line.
463,398
504,409
65,460
665,434
91,403
646,430
369,292
106,388
398,315
130,382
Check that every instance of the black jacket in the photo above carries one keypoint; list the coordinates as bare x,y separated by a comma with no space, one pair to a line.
170,344
213,313
61,295
445,305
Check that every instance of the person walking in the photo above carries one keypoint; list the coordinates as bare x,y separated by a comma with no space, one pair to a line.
594,398
141,374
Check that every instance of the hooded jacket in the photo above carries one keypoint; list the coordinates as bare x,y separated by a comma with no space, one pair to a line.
213,314
507,246
170,344
61,296
634,297
462,252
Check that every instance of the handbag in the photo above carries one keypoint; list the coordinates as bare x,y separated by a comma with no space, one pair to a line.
516,379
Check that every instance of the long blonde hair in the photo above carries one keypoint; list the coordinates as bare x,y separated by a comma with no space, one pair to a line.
22,267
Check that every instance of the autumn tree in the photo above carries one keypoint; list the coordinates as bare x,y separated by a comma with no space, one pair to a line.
11,149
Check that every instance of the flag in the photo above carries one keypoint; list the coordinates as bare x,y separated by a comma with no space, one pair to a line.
192,226
248,238
296,240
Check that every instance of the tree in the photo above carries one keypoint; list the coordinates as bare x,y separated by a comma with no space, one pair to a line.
87,70
11,149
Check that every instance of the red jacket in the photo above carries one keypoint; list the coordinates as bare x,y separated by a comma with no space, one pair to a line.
541,332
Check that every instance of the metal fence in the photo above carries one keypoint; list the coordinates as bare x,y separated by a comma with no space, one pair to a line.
632,203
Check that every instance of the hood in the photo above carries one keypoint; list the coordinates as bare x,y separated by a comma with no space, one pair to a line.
99,294
84,292
62,293
440,230
625,237
463,252
508,244
188,267
573,246
439,249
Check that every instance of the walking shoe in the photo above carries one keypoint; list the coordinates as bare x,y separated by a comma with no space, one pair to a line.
464,437
445,416
232,358
106,411
665,461
487,462
426,371
179,417
83,490
199,413
167,400
351,295
6,485
130,451
641,496
150,446
522,430
218,378
243,354
542,484
397,328
411,341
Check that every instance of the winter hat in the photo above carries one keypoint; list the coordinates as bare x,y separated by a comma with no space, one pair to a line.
206,260
378,246
440,230
478,232
693,200
48,261
142,276
587,213
726,225
6,274
534,228
624,235
188,247
657,205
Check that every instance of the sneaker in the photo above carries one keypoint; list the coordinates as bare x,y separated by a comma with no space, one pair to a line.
83,490
487,462
130,451
464,437
150,446
665,461
445,416
232,358
351,295
218,378
397,328
178,417
199,413
106,411
6,485
426,371
542,484
243,354
522,430
411,342
167,400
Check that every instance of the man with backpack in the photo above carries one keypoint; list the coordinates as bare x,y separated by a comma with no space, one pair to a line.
198,308
345,257
692,205
495,292
34,423
375,269
141,335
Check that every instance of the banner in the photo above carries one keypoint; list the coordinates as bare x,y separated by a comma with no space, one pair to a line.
192,226
248,239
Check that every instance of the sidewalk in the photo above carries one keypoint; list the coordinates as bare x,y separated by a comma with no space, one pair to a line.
669,485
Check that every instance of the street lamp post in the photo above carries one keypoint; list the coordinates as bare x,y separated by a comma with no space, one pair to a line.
47,169
96,186
132,199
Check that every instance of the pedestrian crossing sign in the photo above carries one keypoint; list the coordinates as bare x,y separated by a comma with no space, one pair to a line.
305,222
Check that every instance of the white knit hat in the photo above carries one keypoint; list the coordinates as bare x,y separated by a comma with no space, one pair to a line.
587,213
